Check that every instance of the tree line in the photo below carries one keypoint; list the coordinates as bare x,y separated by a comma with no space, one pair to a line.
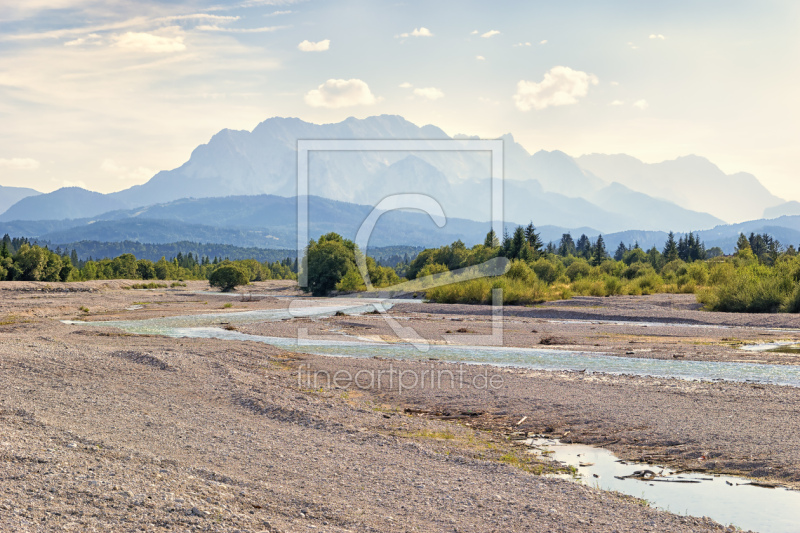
22,261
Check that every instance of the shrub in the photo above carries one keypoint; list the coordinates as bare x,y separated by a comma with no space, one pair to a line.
578,269
545,271
351,282
751,289
228,277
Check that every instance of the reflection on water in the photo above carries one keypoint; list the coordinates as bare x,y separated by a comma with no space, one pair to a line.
726,499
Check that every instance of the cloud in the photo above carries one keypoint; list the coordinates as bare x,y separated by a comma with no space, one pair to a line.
633,46
657,36
147,42
265,29
616,103
543,41
276,13
308,46
92,38
418,32
340,93
522,44
19,164
490,33
474,32
431,93
480,58
405,85
198,16
489,101
139,174
560,86
641,104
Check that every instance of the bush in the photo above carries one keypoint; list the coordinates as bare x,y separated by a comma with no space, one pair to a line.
751,289
579,269
545,271
351,282
228,277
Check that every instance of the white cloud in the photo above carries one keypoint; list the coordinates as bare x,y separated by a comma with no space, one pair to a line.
17,163
616,103
614,83
641,104
198,16
405,85
265,29
92,38
320,46
490,33
489,101
431,93
560,86
418,32
276,13
474,32
147,42
543,41
657,36
139,174
522,44
480,58
633,46
340,93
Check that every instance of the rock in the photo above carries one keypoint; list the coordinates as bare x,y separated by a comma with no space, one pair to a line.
199,512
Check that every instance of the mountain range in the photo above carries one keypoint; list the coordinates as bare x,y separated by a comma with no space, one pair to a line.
593,193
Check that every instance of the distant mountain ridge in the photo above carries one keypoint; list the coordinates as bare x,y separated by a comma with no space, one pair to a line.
11,195
550,188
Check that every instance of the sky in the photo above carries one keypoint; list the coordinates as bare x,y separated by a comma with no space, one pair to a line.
104,94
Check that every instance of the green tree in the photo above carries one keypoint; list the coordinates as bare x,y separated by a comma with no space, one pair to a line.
328,261
534,241
228,276
620,253
599,253
566,246
670,252
491,240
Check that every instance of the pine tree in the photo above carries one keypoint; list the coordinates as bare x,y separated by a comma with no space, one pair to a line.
670,252
533,238
491,241
599,253
517,243
4,251
584,247
566,246
620,253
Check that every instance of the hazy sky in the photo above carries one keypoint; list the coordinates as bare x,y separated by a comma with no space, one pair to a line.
103,94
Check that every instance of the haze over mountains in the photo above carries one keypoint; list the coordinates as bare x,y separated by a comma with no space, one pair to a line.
596,193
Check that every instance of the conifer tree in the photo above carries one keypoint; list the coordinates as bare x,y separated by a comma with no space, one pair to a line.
670,248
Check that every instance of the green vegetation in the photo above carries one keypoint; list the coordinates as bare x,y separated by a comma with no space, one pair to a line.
762,277
22,261
228,277
331,264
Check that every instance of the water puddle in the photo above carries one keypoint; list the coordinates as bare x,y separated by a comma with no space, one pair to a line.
726,499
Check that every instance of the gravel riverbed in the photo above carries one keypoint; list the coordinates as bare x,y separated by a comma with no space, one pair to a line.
103,430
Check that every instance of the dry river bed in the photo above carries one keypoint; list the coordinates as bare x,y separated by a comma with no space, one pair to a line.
103,430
